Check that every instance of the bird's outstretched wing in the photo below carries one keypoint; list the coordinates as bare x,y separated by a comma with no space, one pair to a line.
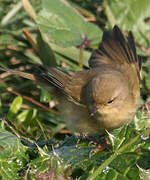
116,51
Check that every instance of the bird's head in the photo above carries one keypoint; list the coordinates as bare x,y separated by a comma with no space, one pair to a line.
107,91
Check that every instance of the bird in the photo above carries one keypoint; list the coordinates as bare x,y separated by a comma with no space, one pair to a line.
99,99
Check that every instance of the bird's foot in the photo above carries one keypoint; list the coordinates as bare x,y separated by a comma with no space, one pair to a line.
101,142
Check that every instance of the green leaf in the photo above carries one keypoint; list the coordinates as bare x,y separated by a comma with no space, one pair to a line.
117,137
72,53
121,163
45,96
64,26
132,15
1,107
27,117
73,151
41,163
147,82
144,174
141,120
126,144
45,52
13,155
6,40
15,107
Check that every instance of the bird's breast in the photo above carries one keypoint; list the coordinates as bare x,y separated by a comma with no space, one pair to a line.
78,118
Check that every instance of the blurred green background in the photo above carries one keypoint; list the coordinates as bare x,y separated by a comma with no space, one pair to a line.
34,142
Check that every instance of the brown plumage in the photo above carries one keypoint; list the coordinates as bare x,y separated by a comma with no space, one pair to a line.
103,97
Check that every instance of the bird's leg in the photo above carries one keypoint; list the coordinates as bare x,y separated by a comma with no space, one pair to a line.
101,142
102,146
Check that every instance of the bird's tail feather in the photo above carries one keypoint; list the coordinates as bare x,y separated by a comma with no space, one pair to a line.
52,75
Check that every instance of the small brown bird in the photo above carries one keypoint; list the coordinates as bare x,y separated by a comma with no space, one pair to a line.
102,98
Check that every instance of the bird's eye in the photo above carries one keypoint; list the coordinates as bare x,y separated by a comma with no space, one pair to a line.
110,102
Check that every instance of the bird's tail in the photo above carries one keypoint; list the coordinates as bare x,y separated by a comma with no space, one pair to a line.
52,75
45,76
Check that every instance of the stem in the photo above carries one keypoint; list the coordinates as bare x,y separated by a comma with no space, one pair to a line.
42,106
29,9
11,13
109,14
81,57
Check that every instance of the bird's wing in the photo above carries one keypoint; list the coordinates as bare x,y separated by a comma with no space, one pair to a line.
67,82
116,51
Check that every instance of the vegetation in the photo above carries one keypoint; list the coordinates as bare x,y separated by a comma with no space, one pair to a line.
34,142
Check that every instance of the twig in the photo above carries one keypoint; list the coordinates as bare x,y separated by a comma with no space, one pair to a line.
67,4
64,131
11,13
42,129
81,57
31,41
5,74
88,16
29,9
45,108
20,73
109,13
84,44
12,129
80,12
145,107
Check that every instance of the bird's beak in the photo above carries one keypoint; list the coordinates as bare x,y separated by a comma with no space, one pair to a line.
94,110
